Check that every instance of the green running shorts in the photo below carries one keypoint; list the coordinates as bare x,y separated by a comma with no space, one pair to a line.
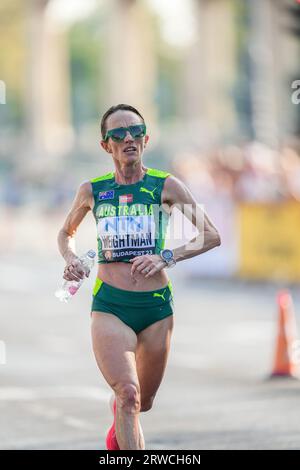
138,309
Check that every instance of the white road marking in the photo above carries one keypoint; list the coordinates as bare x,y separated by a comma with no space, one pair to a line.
250,331
189,360
55,443
57,344
247,333
52,413
242,331
36,393
76,423
48,412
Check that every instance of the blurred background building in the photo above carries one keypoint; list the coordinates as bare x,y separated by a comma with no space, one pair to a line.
214,81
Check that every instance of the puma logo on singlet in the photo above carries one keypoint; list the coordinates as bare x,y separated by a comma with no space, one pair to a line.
145,190
159,295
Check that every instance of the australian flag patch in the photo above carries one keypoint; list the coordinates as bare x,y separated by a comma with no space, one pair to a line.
106,195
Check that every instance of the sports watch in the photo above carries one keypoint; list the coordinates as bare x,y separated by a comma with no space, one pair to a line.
168,256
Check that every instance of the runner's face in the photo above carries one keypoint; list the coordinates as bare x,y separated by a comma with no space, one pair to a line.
119,149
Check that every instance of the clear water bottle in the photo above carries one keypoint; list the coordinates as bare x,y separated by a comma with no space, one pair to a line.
69,288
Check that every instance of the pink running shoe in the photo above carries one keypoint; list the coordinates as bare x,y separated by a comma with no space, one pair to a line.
111,438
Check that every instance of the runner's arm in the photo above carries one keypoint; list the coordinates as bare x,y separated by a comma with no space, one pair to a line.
176,193
82,204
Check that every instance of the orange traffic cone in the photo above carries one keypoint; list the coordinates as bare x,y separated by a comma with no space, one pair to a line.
285,363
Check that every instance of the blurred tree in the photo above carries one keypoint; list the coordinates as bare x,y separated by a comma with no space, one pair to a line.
168,72
167,84
294,19
86,59
46,99
35,26
241,88
12,31
130,61
293,27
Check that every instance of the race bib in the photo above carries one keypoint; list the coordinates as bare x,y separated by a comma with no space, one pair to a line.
126,236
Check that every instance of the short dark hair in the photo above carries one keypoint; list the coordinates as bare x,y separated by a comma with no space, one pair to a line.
113,109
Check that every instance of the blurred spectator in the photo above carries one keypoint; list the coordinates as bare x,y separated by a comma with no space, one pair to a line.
222,179
253,173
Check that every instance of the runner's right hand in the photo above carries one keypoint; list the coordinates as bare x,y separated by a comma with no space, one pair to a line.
74,270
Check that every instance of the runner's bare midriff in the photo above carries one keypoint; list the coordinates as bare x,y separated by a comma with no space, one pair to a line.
119,275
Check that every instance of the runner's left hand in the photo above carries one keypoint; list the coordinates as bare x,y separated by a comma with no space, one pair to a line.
147,265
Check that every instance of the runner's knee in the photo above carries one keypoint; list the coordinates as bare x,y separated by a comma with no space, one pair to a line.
128,396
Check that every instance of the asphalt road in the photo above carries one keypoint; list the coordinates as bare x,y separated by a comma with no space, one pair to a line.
215,394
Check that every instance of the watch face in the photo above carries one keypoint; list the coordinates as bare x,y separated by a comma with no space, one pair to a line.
167,254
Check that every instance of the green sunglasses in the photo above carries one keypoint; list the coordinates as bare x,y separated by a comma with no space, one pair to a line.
119,134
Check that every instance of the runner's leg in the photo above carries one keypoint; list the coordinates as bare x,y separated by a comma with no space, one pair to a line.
114,345
151,358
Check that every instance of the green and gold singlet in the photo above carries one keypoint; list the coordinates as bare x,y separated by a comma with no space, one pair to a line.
130,219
